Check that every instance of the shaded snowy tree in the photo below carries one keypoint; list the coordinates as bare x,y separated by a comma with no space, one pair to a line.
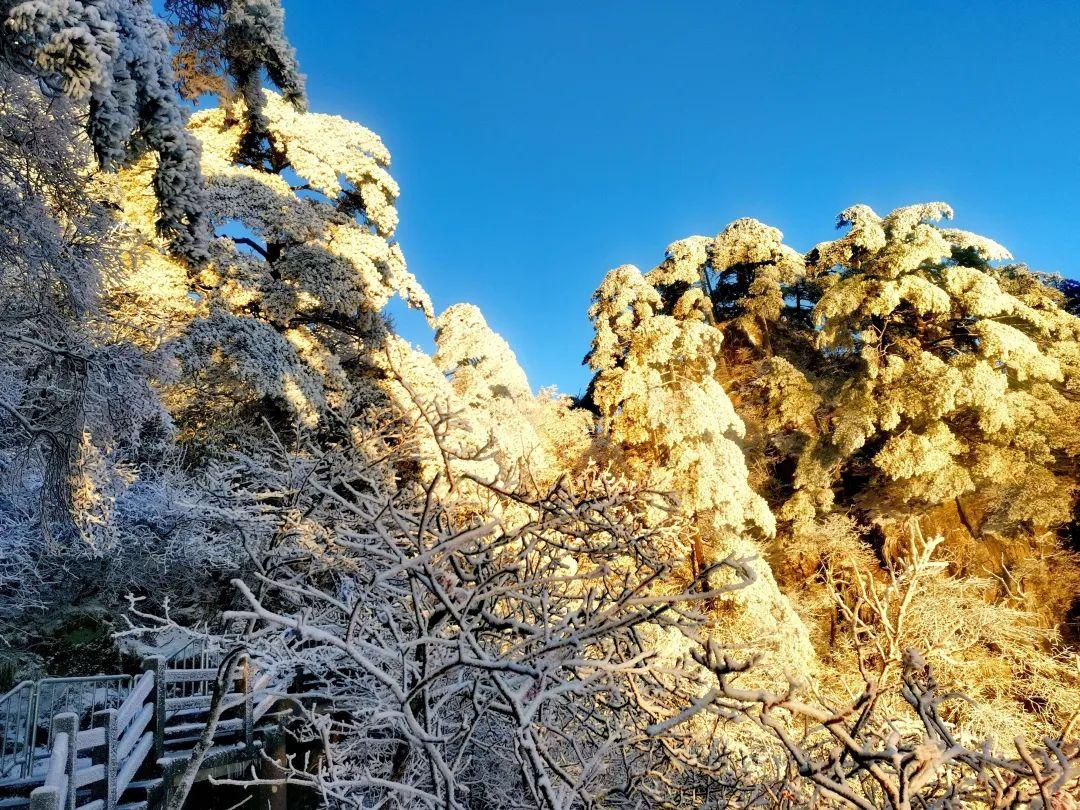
91,498
446,659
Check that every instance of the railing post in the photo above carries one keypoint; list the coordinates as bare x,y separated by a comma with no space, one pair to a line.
31,731
249,709
45,797
67,723
112,739
156,663
272,769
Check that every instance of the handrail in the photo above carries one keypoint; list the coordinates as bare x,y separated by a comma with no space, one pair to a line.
128,769
192,653
58,791
131,734
57,760
134,702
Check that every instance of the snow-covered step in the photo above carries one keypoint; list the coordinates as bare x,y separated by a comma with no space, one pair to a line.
142,790
196,728
184,715
219,754
145,784
179,704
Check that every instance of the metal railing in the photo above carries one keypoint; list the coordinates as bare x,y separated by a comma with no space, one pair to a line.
98,764
25,741
195,655
16,712
27,709
83,697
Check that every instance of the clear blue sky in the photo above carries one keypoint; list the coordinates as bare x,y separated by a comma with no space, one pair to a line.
538,145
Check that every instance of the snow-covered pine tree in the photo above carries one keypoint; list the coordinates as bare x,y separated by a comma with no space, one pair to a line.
53,242
744,271
287,310
666,417
953,388
760,298
115,55
224,47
